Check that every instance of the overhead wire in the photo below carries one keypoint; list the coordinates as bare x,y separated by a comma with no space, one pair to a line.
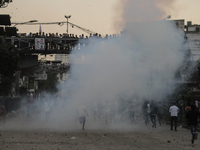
59,23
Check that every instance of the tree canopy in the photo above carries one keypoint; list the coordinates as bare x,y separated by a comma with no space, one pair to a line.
49,85
4,3
9,64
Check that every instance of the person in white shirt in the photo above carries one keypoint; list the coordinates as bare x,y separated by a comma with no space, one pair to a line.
107,111
82,112
47,109
174,110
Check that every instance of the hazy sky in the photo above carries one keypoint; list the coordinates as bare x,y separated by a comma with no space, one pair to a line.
96,15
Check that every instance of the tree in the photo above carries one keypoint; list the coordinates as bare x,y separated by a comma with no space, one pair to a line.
9,64
49,85
196,74
4,3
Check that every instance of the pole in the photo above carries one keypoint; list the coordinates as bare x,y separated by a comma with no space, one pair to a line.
67,17
67,25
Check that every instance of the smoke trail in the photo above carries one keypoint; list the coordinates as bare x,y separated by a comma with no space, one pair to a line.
136,63
134,66
140,10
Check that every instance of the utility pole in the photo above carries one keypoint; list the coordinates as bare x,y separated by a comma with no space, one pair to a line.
67,17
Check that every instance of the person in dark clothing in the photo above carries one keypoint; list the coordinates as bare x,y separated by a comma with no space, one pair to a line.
192,117
145,112
3,112
153,113
82,112
187,109
132,113
160,112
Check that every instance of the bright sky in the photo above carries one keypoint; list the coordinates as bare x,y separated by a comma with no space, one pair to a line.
95,15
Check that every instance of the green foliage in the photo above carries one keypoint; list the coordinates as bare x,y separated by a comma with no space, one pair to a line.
196,74
23,91
4,3
188,89
9,64
49,85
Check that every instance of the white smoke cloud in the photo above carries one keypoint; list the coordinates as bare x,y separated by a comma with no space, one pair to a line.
140,11
138,63
134,66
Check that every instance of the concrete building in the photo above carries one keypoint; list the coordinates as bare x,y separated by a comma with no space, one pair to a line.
192,32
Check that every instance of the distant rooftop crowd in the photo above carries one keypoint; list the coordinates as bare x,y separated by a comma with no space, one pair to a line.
64,35
54,41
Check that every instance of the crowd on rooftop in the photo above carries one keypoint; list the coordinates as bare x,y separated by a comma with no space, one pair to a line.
64,35
54,41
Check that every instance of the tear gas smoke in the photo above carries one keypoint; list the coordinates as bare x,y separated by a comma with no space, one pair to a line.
140,11
130,67
136,65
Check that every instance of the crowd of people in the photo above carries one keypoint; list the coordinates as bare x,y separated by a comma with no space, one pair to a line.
131,111
64,35
192,115
128,111
55,41
37,103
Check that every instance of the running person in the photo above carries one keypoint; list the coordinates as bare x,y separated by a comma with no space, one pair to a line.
192,117
3,112
131,113
82,112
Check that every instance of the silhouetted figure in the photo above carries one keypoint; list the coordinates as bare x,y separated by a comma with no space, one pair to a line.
160,113
131,113
3,112
192,117
47,108
145,112
174,110
82,115
187,109
153,114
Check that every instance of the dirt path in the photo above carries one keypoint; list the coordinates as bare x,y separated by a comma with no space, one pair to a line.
21,133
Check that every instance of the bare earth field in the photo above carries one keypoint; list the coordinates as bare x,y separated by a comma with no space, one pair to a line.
21,133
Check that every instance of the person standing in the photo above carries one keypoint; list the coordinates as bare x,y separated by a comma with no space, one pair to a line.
160,112
29,105
3,112
47,109
132,113
107,111
173,110
145,112
30,34
192,117
82,112
95,111
153,114
187,109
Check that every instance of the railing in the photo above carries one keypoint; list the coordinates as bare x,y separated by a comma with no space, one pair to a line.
53,45
62,68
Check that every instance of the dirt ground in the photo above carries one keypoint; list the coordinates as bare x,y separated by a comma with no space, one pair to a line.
22,133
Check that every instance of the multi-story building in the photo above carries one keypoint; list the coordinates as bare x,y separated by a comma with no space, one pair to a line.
192,32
